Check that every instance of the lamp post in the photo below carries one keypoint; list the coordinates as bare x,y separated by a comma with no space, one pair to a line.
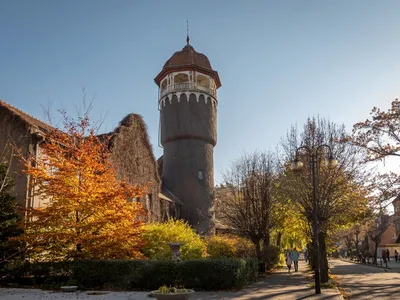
297,165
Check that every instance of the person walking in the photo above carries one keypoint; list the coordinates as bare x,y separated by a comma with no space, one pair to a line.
289,260
396,255
387,254
305,256
295,258
383,254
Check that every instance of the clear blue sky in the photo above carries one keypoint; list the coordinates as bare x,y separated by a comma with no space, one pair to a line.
279,61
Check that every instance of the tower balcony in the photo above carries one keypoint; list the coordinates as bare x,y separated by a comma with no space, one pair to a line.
187,86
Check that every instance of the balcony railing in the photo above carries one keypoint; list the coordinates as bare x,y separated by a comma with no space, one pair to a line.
187,86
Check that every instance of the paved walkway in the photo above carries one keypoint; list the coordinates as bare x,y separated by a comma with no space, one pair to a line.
367,282
392,264
280,285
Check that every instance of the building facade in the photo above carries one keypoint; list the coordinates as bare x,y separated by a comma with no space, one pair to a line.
131,154
188,114
24,133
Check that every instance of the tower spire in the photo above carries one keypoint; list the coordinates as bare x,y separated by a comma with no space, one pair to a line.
187,32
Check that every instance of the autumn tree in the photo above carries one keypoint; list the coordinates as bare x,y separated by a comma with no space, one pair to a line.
249,205
379,135
89,212
341,195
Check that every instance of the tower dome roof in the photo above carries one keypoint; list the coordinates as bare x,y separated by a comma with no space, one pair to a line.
188,59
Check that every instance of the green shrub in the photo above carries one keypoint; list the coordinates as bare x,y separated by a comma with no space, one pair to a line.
204,274
124,274
158,235
214,274
229,246
39,273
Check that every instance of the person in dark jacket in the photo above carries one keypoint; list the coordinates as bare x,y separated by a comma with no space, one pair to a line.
387,254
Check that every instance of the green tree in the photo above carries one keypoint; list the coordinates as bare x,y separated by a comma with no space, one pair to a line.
9,218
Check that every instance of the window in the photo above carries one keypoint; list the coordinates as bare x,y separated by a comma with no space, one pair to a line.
150,201
181,78
164,84
200,175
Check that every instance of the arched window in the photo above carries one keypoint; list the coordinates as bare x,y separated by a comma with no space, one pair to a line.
181,78
203,81
164,84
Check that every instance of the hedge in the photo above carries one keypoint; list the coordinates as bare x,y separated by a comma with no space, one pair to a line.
200,274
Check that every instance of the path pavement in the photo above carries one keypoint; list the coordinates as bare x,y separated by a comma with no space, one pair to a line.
280,285
392,264
367,282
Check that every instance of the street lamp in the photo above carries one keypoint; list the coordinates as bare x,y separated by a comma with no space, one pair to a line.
297,165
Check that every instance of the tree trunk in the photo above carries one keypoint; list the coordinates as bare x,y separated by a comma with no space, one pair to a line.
278,239
323,264
311,255
267,240
256,241
376,253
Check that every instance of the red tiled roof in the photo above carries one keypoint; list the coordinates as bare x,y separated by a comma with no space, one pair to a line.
188,59
29,120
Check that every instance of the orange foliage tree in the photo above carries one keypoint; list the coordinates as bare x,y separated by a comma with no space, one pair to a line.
90,213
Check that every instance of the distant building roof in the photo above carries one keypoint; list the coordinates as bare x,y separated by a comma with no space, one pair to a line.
27,119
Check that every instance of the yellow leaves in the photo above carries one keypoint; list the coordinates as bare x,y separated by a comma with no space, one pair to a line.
229,246
158,235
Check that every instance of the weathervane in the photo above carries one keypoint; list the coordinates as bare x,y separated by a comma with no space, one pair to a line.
187,32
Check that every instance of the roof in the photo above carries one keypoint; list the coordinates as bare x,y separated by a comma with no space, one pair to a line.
27,119
166,194
188,59
160,165
188,56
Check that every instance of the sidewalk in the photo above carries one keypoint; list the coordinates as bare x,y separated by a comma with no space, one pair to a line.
279,285
392,264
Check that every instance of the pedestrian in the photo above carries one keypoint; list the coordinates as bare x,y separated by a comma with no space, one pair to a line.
289,260
295,258
387,254
305,256
396,255
383,254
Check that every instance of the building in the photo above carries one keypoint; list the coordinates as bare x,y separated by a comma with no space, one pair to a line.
19,130
391,236
188,114
131,154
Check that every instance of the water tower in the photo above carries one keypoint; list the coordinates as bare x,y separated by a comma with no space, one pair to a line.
188,117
